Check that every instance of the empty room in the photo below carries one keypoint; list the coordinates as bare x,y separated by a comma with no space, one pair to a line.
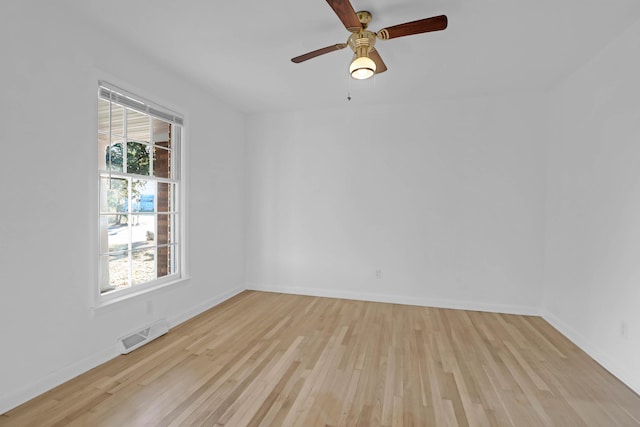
320,213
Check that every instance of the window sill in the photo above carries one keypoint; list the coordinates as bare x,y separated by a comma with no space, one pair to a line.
104,302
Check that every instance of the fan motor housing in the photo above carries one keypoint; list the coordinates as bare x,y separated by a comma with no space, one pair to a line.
358,41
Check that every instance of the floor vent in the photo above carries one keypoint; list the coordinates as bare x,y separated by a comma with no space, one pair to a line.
139,338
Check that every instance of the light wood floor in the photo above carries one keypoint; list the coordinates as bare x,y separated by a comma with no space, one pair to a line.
284,360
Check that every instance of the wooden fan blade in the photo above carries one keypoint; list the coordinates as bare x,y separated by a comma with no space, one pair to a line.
380,65
420,26
347,14
318,52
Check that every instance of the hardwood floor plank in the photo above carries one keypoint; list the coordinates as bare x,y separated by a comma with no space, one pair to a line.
267,359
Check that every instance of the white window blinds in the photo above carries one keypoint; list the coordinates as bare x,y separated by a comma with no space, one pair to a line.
120,96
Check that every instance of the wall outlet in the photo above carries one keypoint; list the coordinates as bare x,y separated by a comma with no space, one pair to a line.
378,274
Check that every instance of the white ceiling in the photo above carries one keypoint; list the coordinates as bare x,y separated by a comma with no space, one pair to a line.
241,50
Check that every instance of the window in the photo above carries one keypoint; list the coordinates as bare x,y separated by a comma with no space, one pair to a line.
140,220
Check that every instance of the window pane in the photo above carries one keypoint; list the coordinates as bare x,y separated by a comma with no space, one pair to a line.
119,270
114,234
117,120
137,126
165,227
173,258
103,151
166,202
174,234
103,116
165,264
114,196
161,133
176,141
143,231
143,195
110,156
113,155
138,158
162,162
144,266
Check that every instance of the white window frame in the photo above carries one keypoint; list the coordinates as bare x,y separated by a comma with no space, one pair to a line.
122,97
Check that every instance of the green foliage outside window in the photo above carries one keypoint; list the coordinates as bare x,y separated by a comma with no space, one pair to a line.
137,163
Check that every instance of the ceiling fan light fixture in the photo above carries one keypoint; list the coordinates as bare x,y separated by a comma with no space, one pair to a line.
367,61
362,68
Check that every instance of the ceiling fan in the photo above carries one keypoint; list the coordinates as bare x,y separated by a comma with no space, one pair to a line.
367,61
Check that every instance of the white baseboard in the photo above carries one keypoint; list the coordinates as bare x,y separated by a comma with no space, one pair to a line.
204,306
60,376
606,360
56,378
400,299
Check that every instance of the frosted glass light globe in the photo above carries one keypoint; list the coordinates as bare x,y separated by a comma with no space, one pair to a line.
362,68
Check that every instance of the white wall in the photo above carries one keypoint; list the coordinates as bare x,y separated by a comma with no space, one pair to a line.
48,234
592,261
446,198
